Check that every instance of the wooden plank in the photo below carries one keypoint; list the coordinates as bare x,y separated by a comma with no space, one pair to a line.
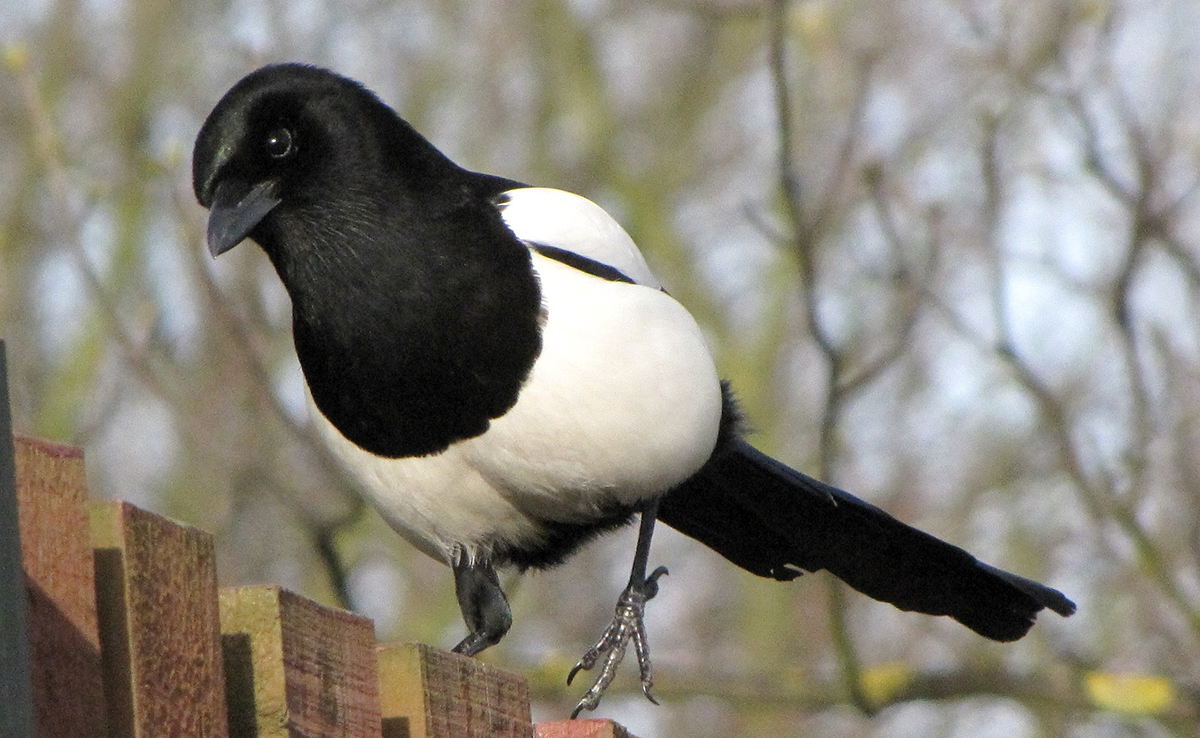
16,681
297,669
582,729
156,593
68,685
429,693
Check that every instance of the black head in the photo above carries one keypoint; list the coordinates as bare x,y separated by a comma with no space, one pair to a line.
416,313
288,134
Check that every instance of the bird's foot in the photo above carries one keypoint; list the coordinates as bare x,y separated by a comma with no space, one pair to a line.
628,625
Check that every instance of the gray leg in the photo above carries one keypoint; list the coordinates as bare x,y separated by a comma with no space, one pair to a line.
627,625
483,604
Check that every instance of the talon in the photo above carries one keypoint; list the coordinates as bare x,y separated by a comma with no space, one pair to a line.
627,626
650,586
575,670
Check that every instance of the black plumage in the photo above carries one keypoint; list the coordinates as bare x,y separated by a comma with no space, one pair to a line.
421,259
775,522
507,380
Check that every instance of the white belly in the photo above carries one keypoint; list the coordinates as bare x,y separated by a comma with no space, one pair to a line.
622,404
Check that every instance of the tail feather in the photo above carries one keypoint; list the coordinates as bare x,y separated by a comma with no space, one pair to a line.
776,522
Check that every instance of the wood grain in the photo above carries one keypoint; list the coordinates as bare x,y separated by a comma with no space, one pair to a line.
582,729
429,693
68,683
156,593
297,669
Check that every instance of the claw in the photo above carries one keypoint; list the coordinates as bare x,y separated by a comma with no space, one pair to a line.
627,625
651,584
578,667
583,703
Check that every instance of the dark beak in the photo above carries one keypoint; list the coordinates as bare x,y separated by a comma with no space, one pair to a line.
236,210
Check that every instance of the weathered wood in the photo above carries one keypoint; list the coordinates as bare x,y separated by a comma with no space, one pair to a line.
582,729
429,693
156,593
68,683
297,669
16,681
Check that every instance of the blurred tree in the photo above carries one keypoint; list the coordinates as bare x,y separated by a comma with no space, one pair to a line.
946,251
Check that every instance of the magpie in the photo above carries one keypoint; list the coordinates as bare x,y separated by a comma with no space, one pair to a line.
505,378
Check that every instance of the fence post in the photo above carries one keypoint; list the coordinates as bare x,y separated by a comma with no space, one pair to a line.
115,612
582,729
16,682
156,594
429,693
68,681
296,668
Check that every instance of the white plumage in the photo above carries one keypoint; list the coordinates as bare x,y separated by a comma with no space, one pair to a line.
622,404
574,223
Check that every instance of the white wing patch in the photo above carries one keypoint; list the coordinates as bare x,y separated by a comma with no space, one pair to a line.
567,221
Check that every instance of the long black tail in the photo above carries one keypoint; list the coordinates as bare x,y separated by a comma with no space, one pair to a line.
774,521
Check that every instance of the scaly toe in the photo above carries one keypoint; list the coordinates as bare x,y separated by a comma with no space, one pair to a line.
627,625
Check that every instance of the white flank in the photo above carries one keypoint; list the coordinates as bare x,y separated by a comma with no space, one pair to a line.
622,404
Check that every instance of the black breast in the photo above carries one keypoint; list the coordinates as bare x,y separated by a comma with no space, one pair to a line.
414,333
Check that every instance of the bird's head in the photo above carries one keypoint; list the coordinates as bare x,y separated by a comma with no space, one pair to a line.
252,149
289,137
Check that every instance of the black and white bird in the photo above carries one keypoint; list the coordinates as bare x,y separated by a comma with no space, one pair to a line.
505,378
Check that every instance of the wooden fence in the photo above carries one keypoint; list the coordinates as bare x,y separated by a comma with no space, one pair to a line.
112,624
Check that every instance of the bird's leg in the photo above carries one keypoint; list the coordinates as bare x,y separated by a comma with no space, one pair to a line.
483,604
627,625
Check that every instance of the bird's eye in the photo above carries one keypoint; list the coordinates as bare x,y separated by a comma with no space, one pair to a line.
280,144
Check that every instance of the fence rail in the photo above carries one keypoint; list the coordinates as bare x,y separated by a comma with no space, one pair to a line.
112,625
